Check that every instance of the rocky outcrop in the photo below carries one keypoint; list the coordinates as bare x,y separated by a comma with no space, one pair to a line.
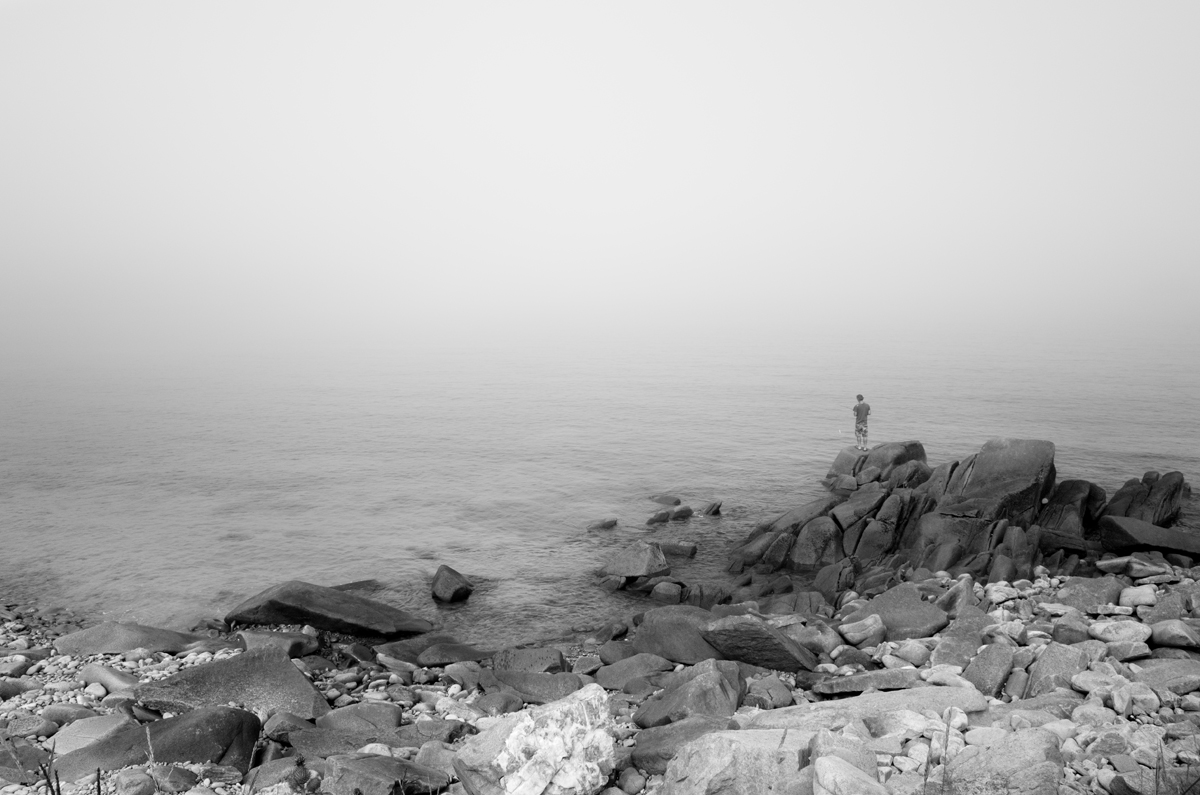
1153,498
297,602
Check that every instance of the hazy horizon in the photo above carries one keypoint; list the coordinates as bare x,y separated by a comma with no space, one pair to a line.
194,181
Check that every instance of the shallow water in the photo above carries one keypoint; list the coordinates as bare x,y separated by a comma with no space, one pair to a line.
162,496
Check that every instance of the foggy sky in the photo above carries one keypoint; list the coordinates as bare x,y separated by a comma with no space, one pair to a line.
271,177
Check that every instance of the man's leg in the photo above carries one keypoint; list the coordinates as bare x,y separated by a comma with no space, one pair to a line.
864,435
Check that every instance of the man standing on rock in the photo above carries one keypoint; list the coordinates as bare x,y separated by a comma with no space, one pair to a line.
861,410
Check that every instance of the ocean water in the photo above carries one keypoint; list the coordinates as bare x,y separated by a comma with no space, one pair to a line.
163,493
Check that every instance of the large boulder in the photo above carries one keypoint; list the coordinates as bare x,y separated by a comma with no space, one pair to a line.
752,640
111,637
710,693
1123,534
264,679
818,544
223,735
1026,762
1007,479
566,744
674,632
296,602
1155,499
1073,508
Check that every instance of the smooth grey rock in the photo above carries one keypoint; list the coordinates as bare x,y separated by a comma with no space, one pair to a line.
1026,762
450,586
540,660
614,677
223,735
112,637
990,668
904,613
1054,668
658,745
262,680
293,644
639,559
673,632
752,640
297,602
707,694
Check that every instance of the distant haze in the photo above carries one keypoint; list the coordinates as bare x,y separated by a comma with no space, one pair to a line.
223,179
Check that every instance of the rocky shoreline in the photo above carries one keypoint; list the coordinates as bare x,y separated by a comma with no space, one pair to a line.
976,627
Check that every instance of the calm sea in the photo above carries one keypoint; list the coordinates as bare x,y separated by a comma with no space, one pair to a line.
162,494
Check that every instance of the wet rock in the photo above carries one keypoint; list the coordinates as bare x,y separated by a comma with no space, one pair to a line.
215,734
639,559
297,602
450,586
666,499
568,742
603,524
262,680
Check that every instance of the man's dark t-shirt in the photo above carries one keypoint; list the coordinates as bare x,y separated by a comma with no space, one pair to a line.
861,410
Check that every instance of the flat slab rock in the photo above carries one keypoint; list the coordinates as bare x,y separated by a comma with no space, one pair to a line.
904,613
739,762
224,735
836,714
262,679
112,637
298,602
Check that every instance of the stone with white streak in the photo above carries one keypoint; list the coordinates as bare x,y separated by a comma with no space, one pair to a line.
564,747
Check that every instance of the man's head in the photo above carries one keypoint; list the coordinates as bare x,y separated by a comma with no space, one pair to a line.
860,397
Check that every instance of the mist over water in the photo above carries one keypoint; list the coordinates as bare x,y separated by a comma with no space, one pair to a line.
164,495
